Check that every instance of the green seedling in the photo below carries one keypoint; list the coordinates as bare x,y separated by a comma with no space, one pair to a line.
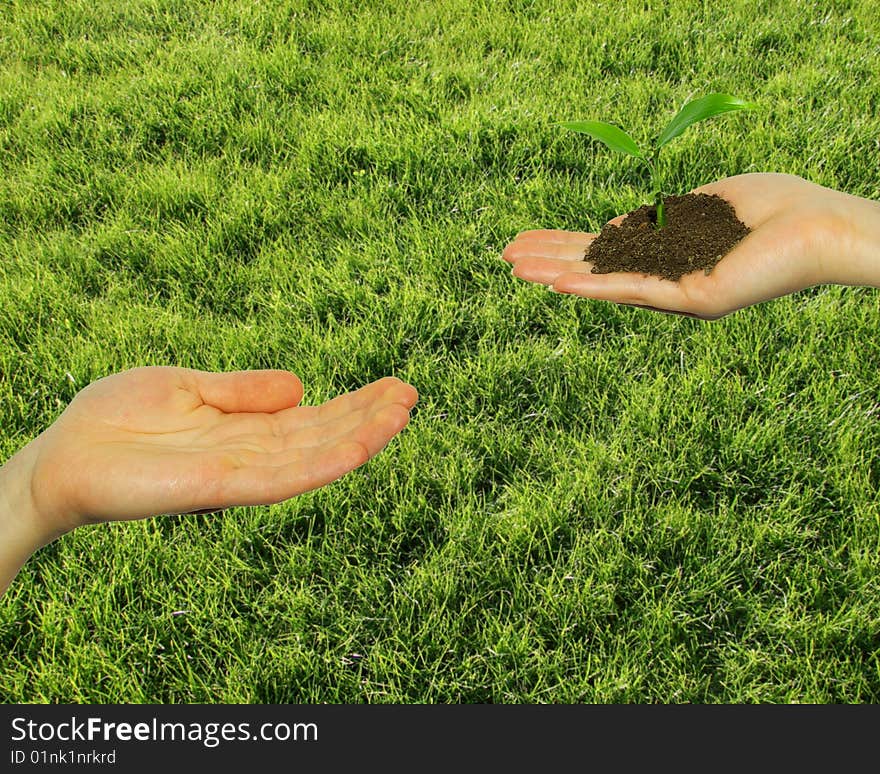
618,140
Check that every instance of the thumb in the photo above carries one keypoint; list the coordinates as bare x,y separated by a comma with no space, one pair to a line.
247,391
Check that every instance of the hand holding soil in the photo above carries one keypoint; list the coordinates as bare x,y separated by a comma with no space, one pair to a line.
801,234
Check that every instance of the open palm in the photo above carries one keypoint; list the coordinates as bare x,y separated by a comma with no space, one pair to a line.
795,227
173,440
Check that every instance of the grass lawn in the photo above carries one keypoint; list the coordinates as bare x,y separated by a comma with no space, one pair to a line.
591,503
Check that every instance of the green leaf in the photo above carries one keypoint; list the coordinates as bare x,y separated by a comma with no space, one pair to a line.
614,138
699,110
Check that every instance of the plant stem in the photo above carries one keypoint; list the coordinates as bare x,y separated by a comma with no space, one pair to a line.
658,193
661,209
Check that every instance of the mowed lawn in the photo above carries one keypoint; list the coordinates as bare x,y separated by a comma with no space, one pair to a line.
591,503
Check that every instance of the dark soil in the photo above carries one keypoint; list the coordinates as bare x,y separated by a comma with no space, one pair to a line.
700,230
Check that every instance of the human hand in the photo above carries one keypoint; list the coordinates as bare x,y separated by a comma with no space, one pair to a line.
174,440
801,235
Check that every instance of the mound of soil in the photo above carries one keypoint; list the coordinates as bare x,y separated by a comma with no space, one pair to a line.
700,230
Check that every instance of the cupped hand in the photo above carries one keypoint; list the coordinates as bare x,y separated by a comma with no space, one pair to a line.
173,440
801,235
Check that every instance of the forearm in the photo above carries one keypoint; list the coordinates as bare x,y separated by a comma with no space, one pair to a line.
854,243
21,532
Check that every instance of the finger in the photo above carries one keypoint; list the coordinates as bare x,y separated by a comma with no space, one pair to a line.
295,437
387,390
626,288
246,391
363,426
301,426
377,430
305,470
546,270
272,439
565,245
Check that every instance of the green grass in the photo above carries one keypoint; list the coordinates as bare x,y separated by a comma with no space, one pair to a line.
592,503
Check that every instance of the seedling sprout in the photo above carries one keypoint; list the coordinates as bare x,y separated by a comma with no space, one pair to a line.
618,140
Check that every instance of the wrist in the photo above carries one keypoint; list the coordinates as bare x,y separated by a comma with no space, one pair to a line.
22,528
